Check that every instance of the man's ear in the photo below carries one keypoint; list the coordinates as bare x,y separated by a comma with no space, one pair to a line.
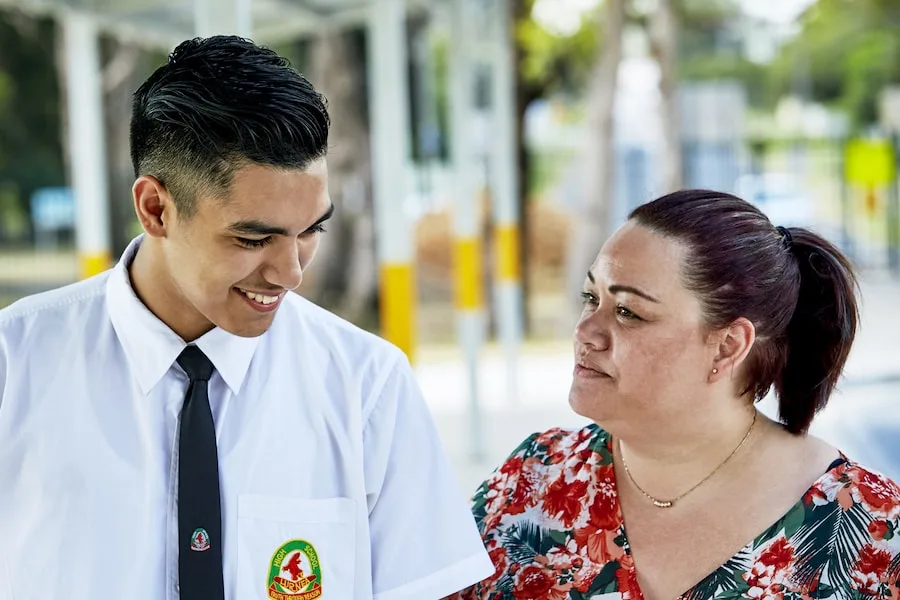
153,205
734,343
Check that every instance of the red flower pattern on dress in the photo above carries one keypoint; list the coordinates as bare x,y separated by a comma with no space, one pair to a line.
815,495
878,529
500,560
563,500
555,501
769,574
597,537
512,467
534,582
877,493
870,569
604,510
626,577
829,486
583,568
523,495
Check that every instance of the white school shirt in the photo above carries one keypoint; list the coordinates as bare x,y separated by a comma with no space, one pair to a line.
330,464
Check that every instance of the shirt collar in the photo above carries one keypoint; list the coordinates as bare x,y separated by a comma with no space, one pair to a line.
151,347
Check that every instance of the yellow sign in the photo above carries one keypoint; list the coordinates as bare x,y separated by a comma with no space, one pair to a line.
870,162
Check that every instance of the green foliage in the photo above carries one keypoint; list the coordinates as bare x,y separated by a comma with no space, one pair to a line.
712,66
30,128
829,539
727,580
553,63
6,91
846,52
556,63
13,219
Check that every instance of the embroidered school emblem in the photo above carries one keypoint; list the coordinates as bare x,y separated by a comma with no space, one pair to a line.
199,540
295,572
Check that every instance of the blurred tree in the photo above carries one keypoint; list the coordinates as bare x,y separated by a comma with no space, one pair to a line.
31,154
546,64
126,66
594,223
845,53
550,62
689,39
663,33
346,274
707,44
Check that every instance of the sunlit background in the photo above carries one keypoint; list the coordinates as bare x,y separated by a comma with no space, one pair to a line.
482,150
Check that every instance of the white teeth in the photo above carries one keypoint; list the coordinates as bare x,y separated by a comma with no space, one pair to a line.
260,297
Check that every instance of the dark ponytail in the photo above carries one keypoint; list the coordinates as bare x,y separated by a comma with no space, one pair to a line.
820,332
797,289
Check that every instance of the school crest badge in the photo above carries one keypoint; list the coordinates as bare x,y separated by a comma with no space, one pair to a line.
199,540
295,572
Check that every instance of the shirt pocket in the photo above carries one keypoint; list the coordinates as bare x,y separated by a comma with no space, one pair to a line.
295,549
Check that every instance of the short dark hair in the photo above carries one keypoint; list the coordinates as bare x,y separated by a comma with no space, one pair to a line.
220,103
796,288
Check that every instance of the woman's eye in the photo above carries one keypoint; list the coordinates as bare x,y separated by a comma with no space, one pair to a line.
625,313
248,243
588,299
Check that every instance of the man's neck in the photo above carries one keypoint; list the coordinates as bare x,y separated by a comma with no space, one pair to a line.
153,287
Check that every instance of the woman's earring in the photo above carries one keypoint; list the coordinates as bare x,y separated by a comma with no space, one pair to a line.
715,371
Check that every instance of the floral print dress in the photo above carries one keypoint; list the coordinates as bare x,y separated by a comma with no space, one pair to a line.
551,521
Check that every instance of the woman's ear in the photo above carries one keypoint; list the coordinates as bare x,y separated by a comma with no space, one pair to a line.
734,343
152,204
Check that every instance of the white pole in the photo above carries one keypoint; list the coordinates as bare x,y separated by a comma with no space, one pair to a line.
214,17
507,278
467,263
389,114
87,143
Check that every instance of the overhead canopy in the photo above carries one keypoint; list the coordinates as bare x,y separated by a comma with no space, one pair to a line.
167,22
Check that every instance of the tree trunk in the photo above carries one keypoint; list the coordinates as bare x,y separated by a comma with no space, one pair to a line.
525,95
346,272
593,226
122,75
663,30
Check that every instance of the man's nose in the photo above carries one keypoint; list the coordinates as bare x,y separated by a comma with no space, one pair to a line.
285,269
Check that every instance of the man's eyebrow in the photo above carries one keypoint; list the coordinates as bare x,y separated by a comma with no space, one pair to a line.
627,289
327,215
254,227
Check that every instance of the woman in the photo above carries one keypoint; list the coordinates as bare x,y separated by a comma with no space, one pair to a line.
693,311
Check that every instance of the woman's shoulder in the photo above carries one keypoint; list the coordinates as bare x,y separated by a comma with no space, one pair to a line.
860,488
843,536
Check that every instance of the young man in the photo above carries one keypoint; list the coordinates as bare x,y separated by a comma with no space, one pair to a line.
183,426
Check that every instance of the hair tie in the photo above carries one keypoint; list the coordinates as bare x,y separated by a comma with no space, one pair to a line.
786,238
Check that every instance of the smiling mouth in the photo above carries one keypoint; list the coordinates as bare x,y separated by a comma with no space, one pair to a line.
261,298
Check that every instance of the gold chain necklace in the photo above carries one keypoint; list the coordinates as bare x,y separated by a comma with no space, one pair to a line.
669,503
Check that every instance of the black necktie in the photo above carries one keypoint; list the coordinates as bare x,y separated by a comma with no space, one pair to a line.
199,509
